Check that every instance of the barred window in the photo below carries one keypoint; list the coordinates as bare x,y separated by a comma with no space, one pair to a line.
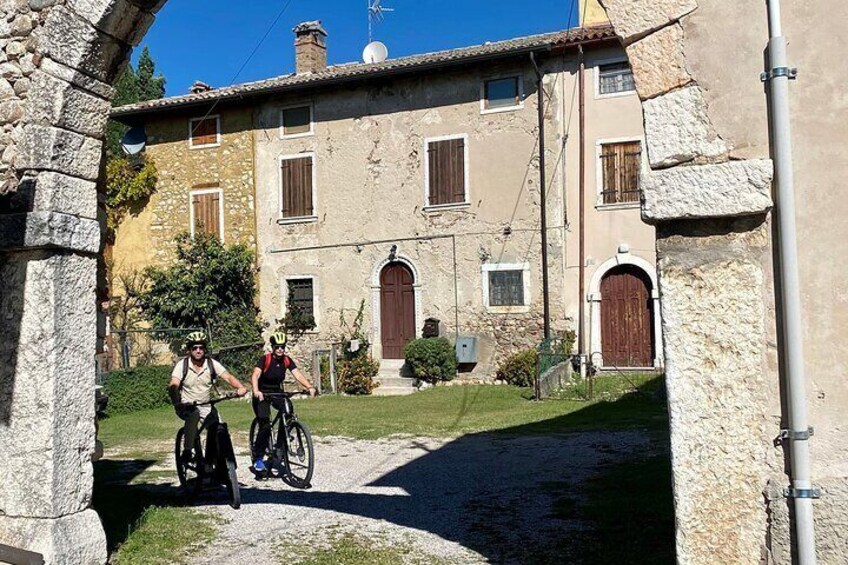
506,288
615,77
620,172
301,296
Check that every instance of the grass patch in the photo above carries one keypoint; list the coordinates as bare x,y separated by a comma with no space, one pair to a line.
163,535
438,412
349,549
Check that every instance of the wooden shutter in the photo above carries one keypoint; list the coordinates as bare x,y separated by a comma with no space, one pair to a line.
446,161
207,210
204,132
297,187
620,171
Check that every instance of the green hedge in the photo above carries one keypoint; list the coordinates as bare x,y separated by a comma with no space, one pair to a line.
431,359
137,389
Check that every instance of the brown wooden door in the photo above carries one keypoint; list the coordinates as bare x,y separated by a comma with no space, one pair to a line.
627,318
397,309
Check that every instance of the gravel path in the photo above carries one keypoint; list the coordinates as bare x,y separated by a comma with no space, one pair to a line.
477,499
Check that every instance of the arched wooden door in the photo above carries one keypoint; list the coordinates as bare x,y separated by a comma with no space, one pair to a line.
397,309
627,318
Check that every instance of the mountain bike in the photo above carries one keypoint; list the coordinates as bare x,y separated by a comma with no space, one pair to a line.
290,454
218,464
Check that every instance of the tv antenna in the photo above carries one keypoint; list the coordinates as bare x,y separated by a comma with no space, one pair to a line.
376,12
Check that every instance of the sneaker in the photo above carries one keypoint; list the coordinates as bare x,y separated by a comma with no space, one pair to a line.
259,466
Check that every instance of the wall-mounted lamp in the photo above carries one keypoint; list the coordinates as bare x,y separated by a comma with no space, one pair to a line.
393,253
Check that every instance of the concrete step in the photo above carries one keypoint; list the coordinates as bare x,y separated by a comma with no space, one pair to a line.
393,391
393,368
399,382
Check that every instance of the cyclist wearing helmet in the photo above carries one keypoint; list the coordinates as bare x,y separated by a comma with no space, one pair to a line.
191,381
268,376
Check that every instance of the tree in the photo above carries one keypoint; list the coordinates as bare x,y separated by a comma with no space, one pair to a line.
126,92
150,87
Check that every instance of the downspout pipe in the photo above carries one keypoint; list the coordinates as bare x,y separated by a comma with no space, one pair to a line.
540,94
798,433
581,205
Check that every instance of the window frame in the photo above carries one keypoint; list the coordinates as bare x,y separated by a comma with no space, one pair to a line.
282,220
466,203
191,122
519,79
597,78
599,173
488,268
284,135
210,190
284,293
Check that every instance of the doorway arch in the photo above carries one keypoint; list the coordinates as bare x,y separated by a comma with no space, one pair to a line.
377,310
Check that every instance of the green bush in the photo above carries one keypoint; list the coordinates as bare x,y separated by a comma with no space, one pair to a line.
356,375
431,359
137,389
237,340
519,369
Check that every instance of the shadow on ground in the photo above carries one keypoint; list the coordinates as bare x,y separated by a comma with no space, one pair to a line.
521,495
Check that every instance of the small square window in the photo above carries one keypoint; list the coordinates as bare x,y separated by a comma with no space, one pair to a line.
204,132
506,288
297,121
501,93
615,78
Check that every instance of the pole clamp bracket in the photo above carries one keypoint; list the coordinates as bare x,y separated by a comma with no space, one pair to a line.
795,435
789,72
792,492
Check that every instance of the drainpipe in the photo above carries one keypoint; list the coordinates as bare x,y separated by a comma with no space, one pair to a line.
581,320
540,94
798,433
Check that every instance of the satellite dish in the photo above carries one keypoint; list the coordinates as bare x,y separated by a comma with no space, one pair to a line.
375,52
134,140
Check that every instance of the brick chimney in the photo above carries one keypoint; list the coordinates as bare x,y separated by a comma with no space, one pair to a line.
310,47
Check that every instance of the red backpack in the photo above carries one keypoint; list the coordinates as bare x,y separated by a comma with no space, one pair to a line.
267,363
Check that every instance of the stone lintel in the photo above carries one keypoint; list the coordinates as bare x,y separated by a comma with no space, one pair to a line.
49,230
735,188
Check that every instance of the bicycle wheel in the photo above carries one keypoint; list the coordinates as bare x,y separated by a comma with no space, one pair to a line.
233,485
190,473
300,456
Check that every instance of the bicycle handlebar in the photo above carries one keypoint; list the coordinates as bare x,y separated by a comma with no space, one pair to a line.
285,394
228,396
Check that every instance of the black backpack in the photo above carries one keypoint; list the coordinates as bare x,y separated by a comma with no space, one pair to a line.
212,373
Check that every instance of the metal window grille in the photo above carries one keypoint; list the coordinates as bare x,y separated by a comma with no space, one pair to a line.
620,172
615,77
301,295
506,288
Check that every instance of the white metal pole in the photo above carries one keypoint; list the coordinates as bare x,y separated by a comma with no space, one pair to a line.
784,188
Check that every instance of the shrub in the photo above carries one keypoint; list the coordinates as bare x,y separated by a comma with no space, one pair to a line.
137,389
237,326
431,359
519,369
356,374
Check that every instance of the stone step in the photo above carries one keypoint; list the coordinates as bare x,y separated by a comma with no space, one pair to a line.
393,368
400,382
393,391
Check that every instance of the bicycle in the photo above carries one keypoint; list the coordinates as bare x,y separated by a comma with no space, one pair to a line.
291,455
219,462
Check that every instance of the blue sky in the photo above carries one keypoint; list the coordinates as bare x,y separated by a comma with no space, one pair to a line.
210,40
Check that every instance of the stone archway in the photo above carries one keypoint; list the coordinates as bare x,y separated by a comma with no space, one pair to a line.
62,55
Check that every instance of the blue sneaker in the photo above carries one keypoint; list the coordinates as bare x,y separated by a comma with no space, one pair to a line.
259,466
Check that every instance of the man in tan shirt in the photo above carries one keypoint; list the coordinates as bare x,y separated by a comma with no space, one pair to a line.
191,381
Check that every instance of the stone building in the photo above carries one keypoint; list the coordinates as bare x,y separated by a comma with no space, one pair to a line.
412,185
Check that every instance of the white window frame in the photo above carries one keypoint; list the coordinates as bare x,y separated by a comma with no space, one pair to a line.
220,192
599,173
284,297
519,106
300,219
517,309
597,78
466,170
311,131
191,123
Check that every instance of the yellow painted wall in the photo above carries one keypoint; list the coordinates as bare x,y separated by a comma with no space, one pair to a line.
591,13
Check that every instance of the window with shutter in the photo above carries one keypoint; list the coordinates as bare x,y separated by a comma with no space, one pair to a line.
296,121
620,172
206,212
297,187
204,132
446,174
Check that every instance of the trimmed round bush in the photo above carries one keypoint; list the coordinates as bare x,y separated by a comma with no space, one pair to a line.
431,359
140,388
519,369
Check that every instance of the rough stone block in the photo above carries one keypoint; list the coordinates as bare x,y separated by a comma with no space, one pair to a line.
38,230
677,129
77,78
658,62
633,19
74,42
736,188
47,304
48,148
54,102
49,191
118,18
77,539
